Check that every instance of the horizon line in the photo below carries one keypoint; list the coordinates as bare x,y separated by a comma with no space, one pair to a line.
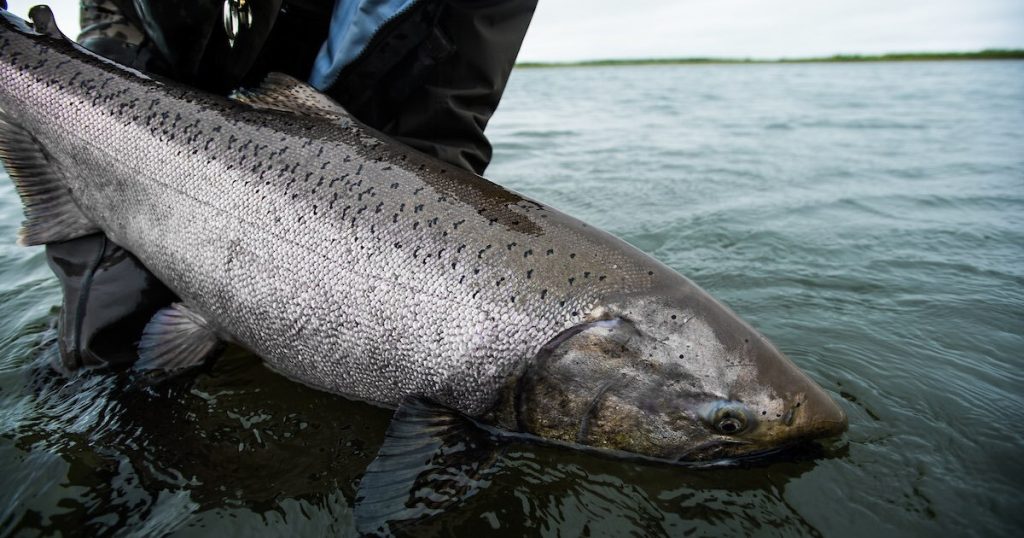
983,54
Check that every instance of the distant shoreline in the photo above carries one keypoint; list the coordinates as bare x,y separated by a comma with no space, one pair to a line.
990,54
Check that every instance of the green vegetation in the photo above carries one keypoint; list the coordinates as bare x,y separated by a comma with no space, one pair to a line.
988,54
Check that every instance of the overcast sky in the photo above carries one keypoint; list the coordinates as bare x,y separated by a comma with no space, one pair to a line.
594,29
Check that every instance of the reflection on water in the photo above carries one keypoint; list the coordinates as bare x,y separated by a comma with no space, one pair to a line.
237,447
869,219
187,454
236,440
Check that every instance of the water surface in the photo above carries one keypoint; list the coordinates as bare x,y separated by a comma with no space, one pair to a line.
868,218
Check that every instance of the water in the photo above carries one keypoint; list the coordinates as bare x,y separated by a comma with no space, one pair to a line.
869,219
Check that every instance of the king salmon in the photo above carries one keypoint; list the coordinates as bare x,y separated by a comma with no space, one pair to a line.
352,263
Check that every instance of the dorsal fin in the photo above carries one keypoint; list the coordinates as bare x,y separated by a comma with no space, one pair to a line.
50,213
281,92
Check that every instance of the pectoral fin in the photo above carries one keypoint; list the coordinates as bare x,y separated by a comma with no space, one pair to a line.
175,339
50,213
432,458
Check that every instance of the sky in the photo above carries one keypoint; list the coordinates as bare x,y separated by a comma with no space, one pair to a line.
571,30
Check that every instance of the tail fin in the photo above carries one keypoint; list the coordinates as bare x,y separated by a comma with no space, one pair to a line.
50,213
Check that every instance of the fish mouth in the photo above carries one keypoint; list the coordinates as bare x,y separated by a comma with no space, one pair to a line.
715,449
730,453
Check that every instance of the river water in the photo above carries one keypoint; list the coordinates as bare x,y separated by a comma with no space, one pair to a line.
868,218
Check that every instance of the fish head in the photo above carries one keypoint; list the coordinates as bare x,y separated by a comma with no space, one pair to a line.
673,375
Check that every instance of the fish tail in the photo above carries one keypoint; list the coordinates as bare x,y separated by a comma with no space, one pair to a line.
51,214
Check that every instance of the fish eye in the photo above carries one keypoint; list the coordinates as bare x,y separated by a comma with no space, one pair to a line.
731,425
729,418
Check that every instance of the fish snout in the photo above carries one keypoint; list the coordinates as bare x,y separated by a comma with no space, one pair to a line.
820,416
813,415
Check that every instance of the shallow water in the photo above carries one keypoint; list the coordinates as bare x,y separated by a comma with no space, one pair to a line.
869,219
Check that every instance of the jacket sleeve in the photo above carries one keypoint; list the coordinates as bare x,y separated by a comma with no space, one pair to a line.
427,72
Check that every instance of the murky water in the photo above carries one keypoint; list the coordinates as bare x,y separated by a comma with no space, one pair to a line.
869,219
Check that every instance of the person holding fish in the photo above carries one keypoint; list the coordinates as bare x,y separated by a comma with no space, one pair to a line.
353,264
429,73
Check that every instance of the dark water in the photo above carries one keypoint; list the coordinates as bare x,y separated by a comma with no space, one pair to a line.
869,219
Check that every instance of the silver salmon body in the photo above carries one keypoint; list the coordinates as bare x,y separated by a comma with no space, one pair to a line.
357,265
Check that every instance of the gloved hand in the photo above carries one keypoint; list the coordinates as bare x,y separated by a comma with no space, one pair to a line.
108,299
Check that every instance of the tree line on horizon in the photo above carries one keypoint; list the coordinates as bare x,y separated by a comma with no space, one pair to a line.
987,54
